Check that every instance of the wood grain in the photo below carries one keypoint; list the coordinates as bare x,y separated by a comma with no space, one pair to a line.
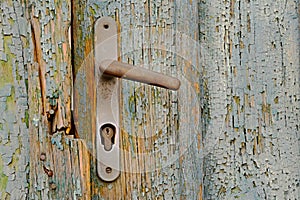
253,82
14,140
63,173
161,137
230,132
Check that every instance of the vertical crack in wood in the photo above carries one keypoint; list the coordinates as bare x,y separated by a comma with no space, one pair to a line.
35,32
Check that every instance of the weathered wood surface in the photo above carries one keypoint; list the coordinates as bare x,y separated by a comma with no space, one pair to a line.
231,131
14,143
36,79
252,138
59,164
161,138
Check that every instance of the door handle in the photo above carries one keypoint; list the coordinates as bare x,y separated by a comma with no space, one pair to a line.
107,73
139,74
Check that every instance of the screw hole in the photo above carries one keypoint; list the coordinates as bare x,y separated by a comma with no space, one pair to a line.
108,170
106,26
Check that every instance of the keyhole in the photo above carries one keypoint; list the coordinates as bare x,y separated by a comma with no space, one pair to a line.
107,133
106,26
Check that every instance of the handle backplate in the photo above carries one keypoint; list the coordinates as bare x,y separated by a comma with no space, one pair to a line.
107,92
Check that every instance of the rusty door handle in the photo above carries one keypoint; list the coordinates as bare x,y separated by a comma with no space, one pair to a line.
134,73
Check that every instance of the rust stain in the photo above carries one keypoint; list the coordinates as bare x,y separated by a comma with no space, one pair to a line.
230,48
232,3
200,193
65,49
235,71
248,23
242,46
84,166
197,87
199,137
252,101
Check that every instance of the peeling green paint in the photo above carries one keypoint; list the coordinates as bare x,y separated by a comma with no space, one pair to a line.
11,101
26,118
256,80
56,140
14,135
15,159
52,101
3,178
6,66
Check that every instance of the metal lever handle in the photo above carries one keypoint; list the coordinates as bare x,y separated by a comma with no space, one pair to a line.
130,72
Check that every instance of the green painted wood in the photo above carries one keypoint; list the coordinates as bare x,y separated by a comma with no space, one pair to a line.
58,162
161,131
252,136
14,120
230,132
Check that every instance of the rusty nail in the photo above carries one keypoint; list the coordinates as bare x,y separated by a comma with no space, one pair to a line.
49,172
43,157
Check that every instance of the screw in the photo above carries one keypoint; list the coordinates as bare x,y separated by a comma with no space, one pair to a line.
50,173
108,170
43,157
51,111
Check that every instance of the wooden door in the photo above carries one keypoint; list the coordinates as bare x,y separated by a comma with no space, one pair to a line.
230,132
160,130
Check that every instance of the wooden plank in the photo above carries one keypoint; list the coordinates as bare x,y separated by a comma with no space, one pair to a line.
14,144
253,81
161,135
59,164
237,107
